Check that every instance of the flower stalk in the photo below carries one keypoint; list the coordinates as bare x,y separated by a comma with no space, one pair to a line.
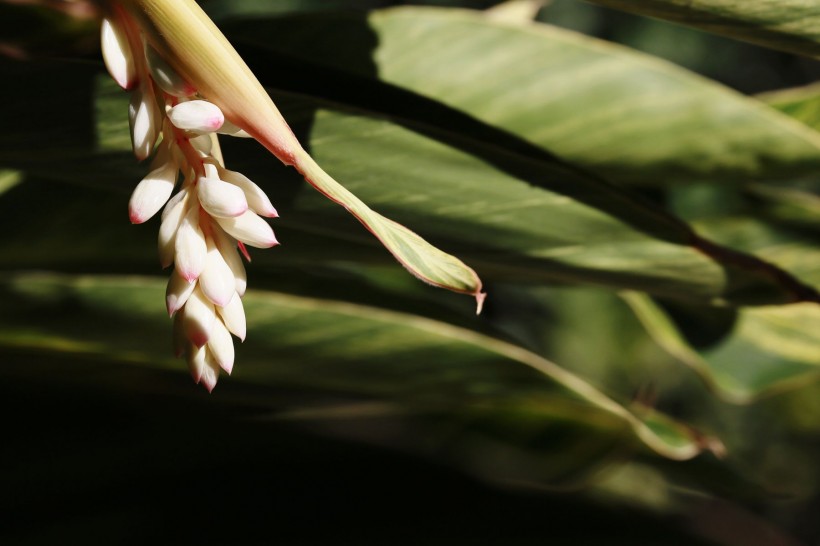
187,85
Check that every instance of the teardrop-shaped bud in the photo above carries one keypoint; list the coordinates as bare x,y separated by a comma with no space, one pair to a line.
144,119
220,344
152,192
177,292
166,77
190,248
250,229
119,60
198,316
217,281
199,116
203,367
257,200
230,253
172,217
220,199
233,315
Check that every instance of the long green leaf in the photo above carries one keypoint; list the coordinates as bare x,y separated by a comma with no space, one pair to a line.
514,217
788,25
629,117
770,349
334,346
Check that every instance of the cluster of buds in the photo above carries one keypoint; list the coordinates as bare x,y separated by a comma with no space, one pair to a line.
214,213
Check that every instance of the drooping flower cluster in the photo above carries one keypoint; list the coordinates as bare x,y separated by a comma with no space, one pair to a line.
214,213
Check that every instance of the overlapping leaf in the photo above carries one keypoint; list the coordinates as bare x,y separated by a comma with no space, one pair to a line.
767,349
627,116
789,25
340,349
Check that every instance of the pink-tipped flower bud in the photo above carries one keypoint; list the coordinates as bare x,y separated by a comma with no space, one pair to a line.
177,292
217,281
172,217
230,253
198,116
257,200
198,316
220,199
119,60
233,315
190,248
220,344
152,193
250,229
145,120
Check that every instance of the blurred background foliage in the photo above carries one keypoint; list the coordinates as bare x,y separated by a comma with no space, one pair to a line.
645,368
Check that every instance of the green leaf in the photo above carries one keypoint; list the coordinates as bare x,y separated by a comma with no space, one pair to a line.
788,25
341,349
770,348
629,117
510,216
801,103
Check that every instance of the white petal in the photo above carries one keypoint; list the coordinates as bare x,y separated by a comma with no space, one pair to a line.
199,116
198,317
177,292
250,229
117,54
230,253
166,77
257,200
190,248
172,217
210,373
144,120
221,346
174,201
203,366
152,192
217,280
233,315
221,199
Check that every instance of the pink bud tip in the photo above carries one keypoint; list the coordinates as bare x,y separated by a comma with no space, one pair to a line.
199,339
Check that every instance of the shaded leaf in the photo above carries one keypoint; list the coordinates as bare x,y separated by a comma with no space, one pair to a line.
788,25
337,347
624,115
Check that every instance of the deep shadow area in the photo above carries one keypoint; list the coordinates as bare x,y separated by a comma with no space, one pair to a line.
99,456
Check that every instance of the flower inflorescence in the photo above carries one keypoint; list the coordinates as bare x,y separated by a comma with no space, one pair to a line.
215,211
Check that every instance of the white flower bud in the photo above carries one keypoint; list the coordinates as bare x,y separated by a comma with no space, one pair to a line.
230,253
172,216
177,292
203,367
166,77
152,192
257,200
117,54
250,229
198,317
144,119
217,281
189,246
220,199
220,344
233,315
199,116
